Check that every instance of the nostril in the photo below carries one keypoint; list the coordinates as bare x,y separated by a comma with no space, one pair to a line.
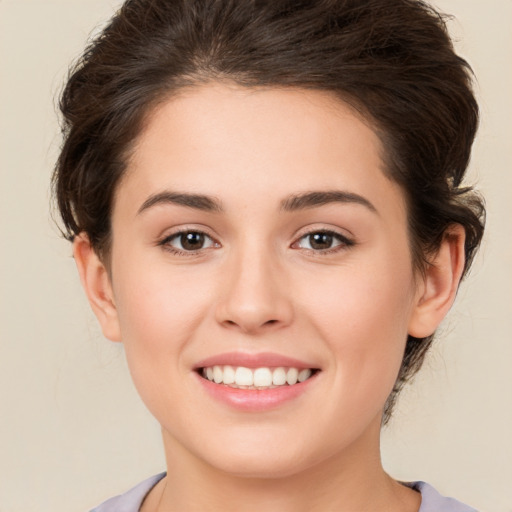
267,323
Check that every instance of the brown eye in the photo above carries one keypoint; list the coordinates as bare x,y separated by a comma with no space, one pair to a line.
319,241
188,241
192,241
323,241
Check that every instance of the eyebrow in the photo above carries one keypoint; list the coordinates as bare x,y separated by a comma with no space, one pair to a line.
292,203
314,199
196,201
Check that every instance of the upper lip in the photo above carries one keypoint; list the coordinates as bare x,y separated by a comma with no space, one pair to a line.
259,360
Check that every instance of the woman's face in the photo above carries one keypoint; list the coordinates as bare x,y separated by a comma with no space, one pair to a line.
255,230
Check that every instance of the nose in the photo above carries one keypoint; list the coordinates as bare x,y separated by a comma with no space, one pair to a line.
255,297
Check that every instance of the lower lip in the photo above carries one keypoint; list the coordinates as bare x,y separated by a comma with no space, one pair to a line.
256,400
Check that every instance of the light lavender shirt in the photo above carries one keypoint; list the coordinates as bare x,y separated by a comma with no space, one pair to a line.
431,500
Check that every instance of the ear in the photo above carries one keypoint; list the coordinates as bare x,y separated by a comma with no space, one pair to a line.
97,285
438,287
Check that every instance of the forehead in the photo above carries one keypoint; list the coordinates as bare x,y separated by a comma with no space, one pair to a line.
231,142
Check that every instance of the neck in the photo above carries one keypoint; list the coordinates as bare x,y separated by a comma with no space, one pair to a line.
354,481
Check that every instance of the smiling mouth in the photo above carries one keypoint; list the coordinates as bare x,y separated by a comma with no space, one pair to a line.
241,377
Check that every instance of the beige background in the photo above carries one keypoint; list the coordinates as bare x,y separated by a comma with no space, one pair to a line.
72,430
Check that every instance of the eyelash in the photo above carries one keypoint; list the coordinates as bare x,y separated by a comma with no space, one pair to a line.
165,243
344,242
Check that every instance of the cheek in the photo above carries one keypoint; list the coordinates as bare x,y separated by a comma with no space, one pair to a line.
373,306
364,317
152,296
159,309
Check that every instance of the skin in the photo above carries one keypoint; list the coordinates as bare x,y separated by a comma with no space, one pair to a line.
258,286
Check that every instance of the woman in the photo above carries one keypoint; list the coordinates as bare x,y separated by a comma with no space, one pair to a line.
266,206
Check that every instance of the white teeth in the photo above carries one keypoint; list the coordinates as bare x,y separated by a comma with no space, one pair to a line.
259,378
304,375
244,376
279,377
263,377
218,374
291,376
229,375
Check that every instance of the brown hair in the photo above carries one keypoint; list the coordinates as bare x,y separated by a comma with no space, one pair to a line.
390,59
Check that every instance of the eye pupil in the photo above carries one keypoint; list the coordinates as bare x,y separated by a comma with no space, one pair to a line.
320,240
192,241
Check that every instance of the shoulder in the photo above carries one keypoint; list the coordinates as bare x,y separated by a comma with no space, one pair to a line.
432,501
129,501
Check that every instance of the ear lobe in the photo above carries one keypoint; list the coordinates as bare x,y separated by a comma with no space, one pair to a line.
440,283
97,286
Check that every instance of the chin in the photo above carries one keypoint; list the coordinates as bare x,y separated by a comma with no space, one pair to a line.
263,460
262,467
